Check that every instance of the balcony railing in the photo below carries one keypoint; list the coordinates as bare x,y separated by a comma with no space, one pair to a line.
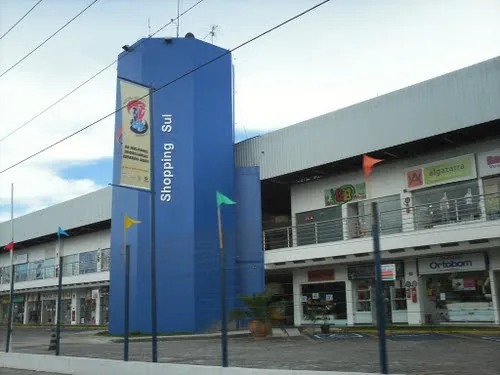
409,218
33,273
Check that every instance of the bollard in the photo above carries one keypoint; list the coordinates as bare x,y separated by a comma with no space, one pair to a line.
52,344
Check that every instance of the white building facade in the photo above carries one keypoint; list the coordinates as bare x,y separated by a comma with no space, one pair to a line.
440,227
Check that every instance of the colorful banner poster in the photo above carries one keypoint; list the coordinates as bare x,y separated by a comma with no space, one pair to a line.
388,272
135,135
443,172
344,194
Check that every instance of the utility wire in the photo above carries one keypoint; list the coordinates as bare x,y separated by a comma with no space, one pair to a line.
153,90
49,38
20,19
92,77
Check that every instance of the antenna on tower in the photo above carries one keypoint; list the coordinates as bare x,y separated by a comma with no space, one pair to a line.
149,27
212,32
178,16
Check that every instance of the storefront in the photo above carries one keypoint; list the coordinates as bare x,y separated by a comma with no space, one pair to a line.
489,171
104,299
18,309
445,192
323,298
457,288
88,306
363,288
34,310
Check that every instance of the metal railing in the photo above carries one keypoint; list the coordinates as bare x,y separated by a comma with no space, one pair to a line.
408,218
33,272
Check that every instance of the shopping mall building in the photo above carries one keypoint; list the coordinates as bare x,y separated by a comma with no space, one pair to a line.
438,193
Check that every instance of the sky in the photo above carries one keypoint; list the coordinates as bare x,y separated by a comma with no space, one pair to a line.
344,52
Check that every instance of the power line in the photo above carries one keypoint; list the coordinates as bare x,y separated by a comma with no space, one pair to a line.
20,19
268,31
49,38
92,77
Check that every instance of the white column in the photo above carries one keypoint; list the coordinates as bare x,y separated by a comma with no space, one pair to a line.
345,222
414,309
75,307
408,212
26,311
495,295
297,300
98,308
350,302
482,205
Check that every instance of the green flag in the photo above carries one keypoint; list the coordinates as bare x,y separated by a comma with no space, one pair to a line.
222,199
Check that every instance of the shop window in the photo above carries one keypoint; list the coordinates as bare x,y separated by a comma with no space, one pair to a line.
88,262
398,297
390,216
492,198
320,226
363,297
105,259
71,266
446,204
324,302
459,297
21,272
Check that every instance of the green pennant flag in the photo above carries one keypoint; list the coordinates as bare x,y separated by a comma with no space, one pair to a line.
222,199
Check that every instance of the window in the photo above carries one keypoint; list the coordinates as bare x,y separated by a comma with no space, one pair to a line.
492,198
319,226
363,296
446,204
88,262
398,297
323,302
390,214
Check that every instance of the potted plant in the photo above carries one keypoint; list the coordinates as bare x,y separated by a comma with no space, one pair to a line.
259,309
317,310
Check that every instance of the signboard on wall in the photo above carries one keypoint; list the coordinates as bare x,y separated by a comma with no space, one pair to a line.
452,263
344,194
321,275
488,163
388,272
461,168
367,271
135,135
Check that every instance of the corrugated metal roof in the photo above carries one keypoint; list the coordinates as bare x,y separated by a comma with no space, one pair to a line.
450,102
84,210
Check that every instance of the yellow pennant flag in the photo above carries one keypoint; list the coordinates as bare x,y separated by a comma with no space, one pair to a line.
130,222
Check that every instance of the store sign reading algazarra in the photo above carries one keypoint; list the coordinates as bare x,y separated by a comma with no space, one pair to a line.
453,263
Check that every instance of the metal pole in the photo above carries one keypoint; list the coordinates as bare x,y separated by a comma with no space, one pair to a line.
59,297
178,15
154,312
8,346
126,299
223,291
379,290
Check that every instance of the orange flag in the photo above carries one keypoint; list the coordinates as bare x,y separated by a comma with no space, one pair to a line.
368,163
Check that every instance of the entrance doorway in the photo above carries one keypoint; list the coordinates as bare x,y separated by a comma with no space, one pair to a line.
280,283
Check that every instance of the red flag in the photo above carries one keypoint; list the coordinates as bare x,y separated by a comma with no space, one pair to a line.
368,163
9,246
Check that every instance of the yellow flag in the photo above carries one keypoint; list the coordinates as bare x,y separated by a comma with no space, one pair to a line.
130,222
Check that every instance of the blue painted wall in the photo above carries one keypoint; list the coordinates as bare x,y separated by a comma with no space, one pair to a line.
187,244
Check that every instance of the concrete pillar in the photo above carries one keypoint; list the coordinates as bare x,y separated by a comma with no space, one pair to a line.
495,288
99,260
350,302
297,301
75,307
345,222
26,312
97,306
414,309
408,212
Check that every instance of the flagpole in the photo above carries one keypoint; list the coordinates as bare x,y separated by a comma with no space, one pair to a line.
59,293
154,312
127,295
223,290
8,346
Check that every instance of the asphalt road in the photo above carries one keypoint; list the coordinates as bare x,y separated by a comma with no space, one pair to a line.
407,354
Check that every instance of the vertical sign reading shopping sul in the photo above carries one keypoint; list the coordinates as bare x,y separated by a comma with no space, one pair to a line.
135,134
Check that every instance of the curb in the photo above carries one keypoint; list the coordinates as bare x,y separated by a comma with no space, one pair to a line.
181,338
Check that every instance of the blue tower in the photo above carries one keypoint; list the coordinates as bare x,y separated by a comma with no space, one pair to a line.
192,156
